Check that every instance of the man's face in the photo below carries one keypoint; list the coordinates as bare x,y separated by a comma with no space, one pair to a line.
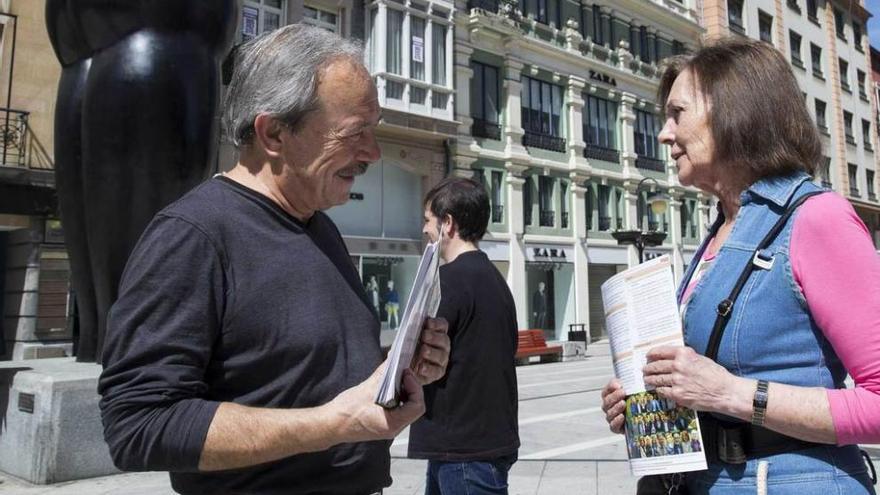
541,286
335,143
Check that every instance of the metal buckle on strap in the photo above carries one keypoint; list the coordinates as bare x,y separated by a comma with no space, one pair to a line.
724,307
763,261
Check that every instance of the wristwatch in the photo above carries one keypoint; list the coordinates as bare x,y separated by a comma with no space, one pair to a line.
759,403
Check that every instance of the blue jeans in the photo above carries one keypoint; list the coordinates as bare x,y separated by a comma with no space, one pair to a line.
826,470
468,478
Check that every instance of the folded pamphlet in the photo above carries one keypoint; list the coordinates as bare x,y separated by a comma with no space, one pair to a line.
423,301
641,312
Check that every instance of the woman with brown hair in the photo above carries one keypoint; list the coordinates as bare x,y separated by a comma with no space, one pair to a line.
780,301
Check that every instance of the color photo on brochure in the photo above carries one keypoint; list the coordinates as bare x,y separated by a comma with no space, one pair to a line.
661,434
641,312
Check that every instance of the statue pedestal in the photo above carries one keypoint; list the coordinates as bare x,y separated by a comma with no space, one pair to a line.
51,427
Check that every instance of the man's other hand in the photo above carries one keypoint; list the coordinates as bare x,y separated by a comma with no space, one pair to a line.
363,420
432,356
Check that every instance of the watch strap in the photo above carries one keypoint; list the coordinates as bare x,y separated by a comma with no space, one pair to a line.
759,403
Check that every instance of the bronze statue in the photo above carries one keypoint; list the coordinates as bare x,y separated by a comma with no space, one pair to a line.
135,128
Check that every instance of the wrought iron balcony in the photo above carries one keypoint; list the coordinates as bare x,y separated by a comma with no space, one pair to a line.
737,28
543,141
854,192
564,219
547,217
485,129
872,196
648,163
850,139
487,5
497,213
653,225
597,152
793,5
604,223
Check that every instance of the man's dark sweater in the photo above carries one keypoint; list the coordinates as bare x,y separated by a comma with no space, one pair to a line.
228,298
472,411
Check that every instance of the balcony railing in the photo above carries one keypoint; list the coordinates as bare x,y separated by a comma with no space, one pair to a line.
793,5
564,219
487,5
850,139
822,128
527,215
485,129
497,213
18,145
845,86
604,223
597,152
737,28
872,196
648,163
547,217
854,192
543,141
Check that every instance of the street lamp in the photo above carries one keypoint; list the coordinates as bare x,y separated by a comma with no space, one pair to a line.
639,238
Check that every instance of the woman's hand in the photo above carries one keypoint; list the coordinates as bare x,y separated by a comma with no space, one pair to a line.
695,381
614,404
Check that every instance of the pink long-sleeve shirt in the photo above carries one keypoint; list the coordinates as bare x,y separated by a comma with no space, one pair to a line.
834,261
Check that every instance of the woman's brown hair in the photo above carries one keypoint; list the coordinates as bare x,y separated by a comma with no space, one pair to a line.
758,117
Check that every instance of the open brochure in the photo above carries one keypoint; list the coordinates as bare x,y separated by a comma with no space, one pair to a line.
641,313
423,301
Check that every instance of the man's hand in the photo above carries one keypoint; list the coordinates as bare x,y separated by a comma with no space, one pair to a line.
363,420
432,356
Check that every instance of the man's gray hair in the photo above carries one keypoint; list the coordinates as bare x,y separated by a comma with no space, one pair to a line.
277,73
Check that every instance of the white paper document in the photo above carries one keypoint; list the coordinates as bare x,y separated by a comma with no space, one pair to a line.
641,312
423,301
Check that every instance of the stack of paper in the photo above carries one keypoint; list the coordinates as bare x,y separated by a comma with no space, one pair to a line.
423,301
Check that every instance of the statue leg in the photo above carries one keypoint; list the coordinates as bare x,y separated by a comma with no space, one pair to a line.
150,136
69,172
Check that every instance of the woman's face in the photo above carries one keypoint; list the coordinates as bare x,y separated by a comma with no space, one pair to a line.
686,132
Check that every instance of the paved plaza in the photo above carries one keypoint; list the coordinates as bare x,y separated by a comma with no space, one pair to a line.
566,445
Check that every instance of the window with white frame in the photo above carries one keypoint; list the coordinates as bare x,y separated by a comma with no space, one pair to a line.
261,16
409,47
321,17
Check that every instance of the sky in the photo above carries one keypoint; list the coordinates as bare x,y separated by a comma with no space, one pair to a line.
873,7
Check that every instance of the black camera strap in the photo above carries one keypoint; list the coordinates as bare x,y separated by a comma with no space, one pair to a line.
758,260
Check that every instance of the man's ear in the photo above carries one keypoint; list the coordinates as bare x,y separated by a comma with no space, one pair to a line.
267,131
449,226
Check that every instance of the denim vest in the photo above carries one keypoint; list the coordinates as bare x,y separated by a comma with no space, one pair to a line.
771,334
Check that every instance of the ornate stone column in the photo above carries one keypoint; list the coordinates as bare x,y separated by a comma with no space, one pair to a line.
574,103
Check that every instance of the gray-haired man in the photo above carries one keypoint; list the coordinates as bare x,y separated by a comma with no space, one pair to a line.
242,353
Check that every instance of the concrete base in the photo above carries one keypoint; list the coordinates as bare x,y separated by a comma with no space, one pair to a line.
39,350
573,351
51,428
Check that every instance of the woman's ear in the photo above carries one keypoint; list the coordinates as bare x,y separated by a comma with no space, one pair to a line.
267,131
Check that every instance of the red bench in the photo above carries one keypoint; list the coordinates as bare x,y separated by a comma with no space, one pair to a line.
532,343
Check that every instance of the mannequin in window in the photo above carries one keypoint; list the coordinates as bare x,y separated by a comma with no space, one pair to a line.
539,306
134,128
392,305
373,292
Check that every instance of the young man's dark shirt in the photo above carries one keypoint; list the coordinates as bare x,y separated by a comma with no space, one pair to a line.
228,298
472,411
